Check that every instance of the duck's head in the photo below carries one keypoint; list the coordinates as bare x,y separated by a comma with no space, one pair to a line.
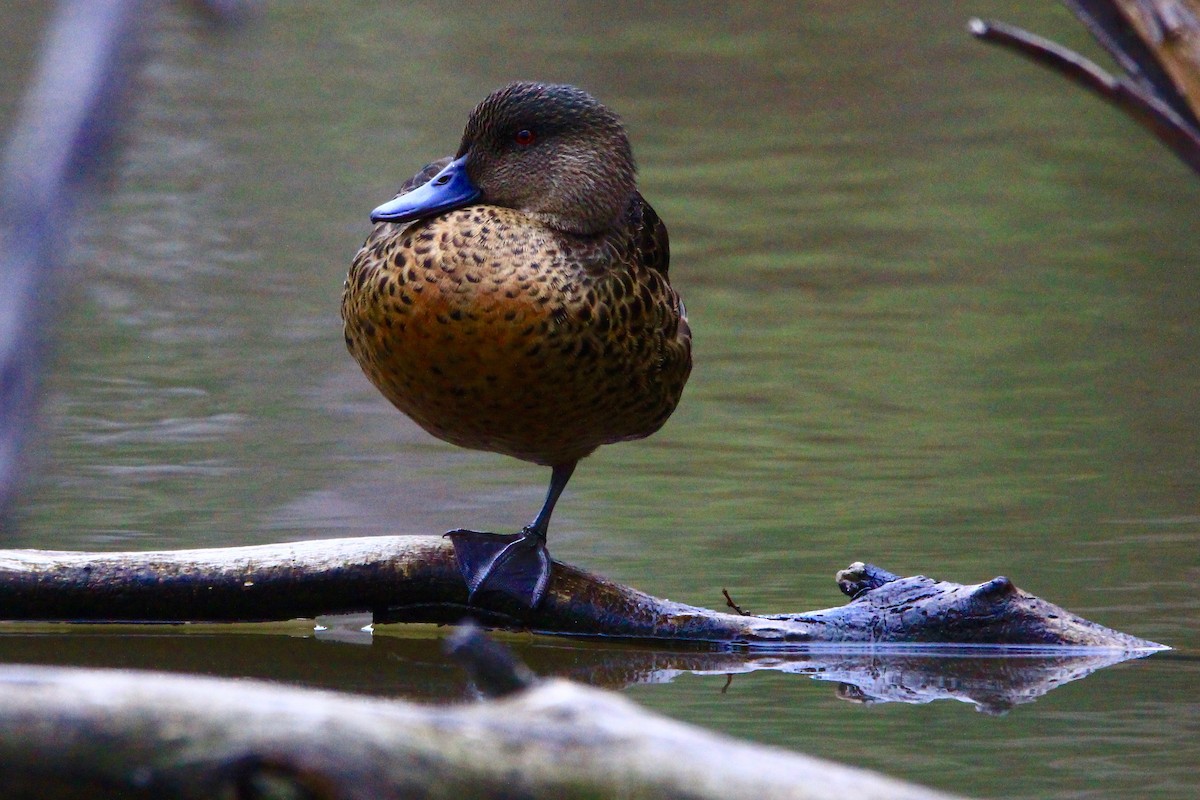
553,152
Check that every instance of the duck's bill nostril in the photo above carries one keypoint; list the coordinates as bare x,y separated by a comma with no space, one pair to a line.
449,189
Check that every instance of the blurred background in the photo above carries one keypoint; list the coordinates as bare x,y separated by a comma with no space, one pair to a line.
944,307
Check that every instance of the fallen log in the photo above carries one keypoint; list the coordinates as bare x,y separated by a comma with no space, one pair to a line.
416,579
69,732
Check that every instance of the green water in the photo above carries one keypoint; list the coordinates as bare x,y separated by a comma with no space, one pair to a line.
944,308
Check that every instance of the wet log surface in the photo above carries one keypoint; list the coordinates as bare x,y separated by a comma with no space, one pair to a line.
416,579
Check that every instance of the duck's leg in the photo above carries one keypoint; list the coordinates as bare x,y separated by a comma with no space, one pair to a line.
516,565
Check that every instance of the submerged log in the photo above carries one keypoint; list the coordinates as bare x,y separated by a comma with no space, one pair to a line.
69,732
416,579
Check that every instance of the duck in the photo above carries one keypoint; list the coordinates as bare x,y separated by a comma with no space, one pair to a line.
515,298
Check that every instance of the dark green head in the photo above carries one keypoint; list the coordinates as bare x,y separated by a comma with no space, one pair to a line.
551,151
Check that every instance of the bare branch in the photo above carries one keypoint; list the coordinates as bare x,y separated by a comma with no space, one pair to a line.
1154,114
416,579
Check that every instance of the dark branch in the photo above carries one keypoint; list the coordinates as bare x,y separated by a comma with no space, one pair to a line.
1112,30
1135,98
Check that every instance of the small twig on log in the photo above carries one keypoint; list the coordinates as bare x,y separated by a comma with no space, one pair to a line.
736,608
416,579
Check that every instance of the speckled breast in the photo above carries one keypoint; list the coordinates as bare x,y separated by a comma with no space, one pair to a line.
495,334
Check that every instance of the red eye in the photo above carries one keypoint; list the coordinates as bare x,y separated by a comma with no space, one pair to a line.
524,137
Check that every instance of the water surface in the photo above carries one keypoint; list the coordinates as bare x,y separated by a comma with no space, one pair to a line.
944,308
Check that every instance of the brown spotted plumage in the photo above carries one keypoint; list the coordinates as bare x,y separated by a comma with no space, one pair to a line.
530,313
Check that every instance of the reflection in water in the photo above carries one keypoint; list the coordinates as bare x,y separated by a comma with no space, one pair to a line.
993,683
765,700
412,664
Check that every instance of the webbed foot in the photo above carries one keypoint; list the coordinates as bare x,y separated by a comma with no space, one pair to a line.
513,565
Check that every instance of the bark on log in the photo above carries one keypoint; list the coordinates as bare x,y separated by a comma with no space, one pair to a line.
67,733
416,579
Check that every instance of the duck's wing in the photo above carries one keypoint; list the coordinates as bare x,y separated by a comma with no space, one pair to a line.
650,236
673,361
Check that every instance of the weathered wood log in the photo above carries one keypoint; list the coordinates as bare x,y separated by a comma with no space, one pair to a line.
1156,42
67,732
416,579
